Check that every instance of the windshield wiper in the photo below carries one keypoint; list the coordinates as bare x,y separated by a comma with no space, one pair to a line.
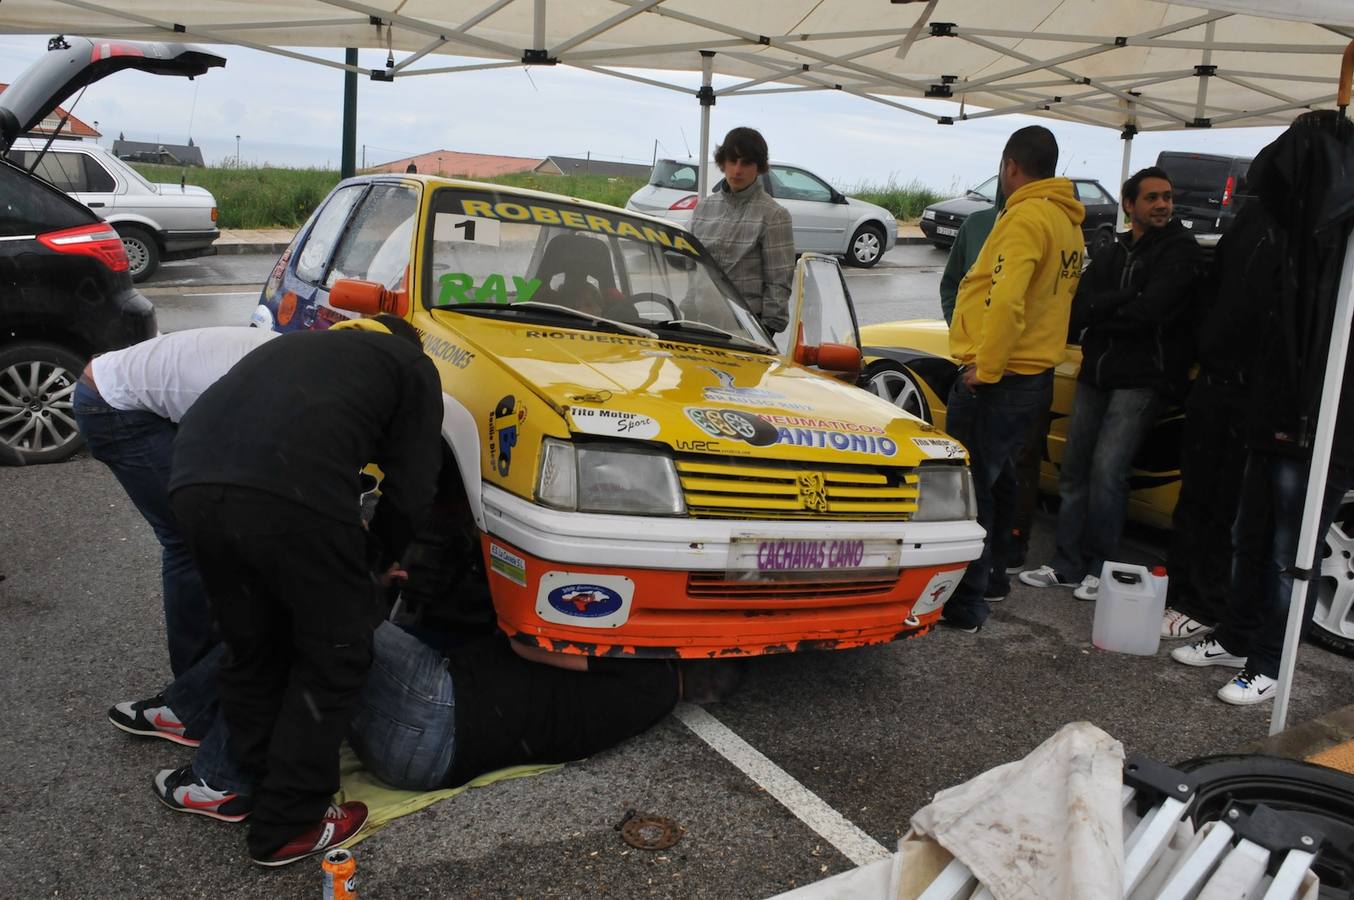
696,325
596,320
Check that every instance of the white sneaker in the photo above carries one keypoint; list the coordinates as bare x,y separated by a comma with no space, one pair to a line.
1089,588
1248,688
1207,652
1044,576
1176,625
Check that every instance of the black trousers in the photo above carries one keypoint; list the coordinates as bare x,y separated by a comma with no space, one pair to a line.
1212,459
296,607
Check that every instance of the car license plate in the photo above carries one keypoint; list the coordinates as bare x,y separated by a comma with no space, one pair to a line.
761,558
948,232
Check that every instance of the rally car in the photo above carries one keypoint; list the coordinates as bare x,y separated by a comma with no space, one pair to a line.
641,470
908,364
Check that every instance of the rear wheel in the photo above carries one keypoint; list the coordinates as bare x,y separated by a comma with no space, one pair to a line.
36,384
896,384
1333,616
867,245
143,254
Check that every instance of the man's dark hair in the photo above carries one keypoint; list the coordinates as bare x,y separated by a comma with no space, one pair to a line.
400,328
1131,187
746,144
1035,150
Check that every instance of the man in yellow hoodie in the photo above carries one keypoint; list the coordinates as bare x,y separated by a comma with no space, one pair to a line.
1009,331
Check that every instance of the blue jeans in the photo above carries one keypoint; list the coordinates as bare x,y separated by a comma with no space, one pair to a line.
992,421
195,700
138,448
1265,536
404,730
1105,431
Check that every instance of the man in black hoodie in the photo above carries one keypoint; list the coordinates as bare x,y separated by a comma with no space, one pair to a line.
1134,358
1304,185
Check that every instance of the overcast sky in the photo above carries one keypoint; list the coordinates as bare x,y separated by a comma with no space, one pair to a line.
290,113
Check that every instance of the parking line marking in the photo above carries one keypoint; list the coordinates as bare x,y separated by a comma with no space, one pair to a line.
834,828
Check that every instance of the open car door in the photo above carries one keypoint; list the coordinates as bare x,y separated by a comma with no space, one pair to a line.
74,62
822,333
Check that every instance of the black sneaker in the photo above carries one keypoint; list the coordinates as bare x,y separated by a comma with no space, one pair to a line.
957,626
1015,557
150,718
182,791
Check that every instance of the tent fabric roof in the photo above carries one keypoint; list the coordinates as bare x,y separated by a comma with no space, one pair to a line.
1153,65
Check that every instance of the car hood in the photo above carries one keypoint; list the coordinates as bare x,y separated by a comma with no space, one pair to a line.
73,62
625,386
961,206
864,206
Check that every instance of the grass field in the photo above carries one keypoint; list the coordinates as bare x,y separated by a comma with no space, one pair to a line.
284,198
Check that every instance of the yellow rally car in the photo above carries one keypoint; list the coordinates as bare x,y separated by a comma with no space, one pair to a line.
644,472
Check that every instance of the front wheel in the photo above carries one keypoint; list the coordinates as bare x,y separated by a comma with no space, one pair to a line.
143,254
898,385
37,381
1333,615
867,246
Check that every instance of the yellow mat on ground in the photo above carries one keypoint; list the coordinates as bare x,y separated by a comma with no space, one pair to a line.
385,804
1341,757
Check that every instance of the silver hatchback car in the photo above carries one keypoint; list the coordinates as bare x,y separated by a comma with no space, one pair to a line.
825,220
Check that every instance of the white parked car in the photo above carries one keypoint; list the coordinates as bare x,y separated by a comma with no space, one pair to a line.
155,221
825,220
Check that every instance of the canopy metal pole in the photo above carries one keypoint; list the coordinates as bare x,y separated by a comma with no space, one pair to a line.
1127,137
706,95
1316,486
348,166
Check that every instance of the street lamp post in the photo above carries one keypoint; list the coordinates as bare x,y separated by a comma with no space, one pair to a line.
237,151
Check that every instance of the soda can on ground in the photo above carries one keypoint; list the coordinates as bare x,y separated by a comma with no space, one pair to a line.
340,875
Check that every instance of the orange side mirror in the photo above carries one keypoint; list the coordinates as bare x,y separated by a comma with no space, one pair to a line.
367,298
831,357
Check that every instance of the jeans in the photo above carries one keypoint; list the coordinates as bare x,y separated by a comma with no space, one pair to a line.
1105,431
992,421
404,729
195,700
138,447
1265,536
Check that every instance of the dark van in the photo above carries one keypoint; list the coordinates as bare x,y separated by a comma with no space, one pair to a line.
1209,189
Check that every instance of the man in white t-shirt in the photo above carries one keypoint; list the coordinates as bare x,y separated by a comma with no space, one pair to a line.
128,404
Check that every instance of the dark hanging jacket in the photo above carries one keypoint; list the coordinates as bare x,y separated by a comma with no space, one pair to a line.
1305,182
1131,311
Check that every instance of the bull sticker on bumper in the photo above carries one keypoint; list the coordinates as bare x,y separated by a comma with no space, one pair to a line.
584,599
937,591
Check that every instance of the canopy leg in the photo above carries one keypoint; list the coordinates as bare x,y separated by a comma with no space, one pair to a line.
348,164
706,95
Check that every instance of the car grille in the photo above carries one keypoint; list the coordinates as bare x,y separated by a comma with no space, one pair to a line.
717,487
709,586
948,219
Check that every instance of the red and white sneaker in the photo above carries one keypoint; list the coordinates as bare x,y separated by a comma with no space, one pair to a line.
182,791
150,718
340,825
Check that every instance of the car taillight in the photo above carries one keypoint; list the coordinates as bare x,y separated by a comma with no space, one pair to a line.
1227,190
99,241
685,203
214,213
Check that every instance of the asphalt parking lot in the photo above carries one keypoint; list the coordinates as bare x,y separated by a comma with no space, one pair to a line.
873,733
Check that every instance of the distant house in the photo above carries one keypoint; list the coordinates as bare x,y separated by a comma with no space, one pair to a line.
464,165
74,128
167,154
568,165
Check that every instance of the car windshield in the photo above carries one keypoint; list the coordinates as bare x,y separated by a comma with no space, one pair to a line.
526,257
987,190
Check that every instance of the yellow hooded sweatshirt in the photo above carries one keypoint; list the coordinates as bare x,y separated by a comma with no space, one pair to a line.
1013,305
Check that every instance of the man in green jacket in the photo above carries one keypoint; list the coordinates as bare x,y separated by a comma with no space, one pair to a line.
972,233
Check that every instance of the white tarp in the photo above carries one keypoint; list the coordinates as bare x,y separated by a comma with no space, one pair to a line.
1107,63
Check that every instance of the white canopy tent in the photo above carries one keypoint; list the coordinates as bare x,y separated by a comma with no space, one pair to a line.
1128,65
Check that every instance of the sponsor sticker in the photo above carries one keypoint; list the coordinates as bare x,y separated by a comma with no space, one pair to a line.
756,557
508,564
506,418
937,591
940,448
728,392
584,599
612,422
451,228
763,430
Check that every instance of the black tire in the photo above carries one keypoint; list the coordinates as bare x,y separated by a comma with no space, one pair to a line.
37,381
866,247
1101,239
897,384
143,254
1333,613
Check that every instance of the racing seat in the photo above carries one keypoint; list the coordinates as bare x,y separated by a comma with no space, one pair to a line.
589,282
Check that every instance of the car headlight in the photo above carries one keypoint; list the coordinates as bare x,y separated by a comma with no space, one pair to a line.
928,213
606,478
944,493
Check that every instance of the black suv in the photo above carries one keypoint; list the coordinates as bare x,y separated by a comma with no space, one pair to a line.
1209,190
940,221
65,290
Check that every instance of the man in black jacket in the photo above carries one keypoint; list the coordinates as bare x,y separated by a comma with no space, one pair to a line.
1134,357
266,488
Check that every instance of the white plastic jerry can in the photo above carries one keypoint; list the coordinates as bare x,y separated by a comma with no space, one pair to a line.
1128,608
